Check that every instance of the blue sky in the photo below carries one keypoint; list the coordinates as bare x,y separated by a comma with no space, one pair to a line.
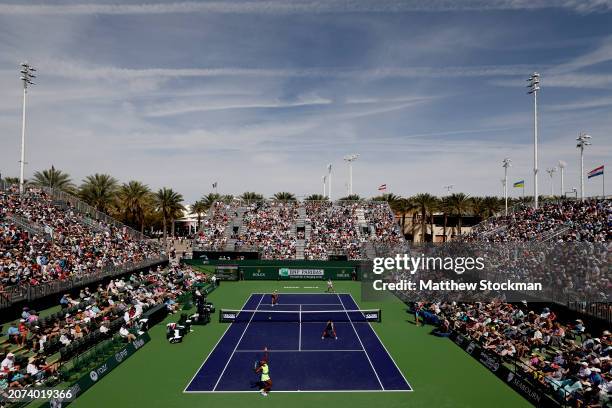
262,95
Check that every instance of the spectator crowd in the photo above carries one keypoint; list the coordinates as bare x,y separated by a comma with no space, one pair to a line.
42,240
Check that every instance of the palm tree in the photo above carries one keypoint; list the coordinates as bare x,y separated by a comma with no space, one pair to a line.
388,197
251,196
316,197
168,204
492,205
284,196
425,203
403,206
478,207
99,191
351,197
53,178
444,206
13,180
460,204
210,199
198,208
133,199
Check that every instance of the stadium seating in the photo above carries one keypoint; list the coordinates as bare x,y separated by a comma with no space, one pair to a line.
343,228
44,240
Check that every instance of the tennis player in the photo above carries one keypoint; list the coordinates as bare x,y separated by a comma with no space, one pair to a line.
274,298
330,286
329,331
265,383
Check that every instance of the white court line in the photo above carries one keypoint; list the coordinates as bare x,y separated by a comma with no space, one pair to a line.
239,340
300,337
292,391
298,351
385,347
362,346
213,349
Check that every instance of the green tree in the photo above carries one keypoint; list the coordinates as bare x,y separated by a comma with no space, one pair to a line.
13,180
351,197
284,196
198,208
444,206
460,204
426,204
493,205
53,178
388,197
99,191
210,199
316,197
402,207
134,200
168,204
251,196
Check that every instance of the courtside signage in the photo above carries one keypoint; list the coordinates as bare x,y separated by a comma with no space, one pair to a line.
301,273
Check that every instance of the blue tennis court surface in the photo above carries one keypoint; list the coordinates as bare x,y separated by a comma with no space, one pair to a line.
299,359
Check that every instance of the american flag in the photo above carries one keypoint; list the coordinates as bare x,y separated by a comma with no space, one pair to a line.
382,187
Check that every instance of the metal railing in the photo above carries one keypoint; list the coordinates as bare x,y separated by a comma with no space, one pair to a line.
85,209
601,310
18,293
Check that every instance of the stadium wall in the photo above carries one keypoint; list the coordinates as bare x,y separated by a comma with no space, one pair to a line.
280,269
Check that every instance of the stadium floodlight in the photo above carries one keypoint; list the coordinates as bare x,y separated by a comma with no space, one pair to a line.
505,164
583,140
551,172
329,179
562,165
534,87
448,188
27,74
350,159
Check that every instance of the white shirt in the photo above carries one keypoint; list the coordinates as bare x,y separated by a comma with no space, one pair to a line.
32,369
7,364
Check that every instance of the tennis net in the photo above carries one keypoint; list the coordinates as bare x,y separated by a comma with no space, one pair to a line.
355,316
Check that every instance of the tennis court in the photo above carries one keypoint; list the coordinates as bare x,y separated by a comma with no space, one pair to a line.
299,359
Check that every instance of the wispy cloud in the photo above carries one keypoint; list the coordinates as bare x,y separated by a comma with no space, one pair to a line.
179,108
77,70
306,6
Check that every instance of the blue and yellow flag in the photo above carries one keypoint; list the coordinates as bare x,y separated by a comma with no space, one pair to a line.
519,184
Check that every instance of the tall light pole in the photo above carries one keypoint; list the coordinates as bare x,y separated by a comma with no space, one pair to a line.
562,165
534,87
324,181
350,159
329,179
551,172
27,74
583,140
505,164
448,188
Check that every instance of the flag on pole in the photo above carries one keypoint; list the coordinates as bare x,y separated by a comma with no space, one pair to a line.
596,172
519,184
382,187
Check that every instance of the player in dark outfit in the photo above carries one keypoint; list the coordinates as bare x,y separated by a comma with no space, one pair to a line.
329,331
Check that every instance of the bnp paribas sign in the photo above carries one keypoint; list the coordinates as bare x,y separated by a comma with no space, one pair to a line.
288,273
